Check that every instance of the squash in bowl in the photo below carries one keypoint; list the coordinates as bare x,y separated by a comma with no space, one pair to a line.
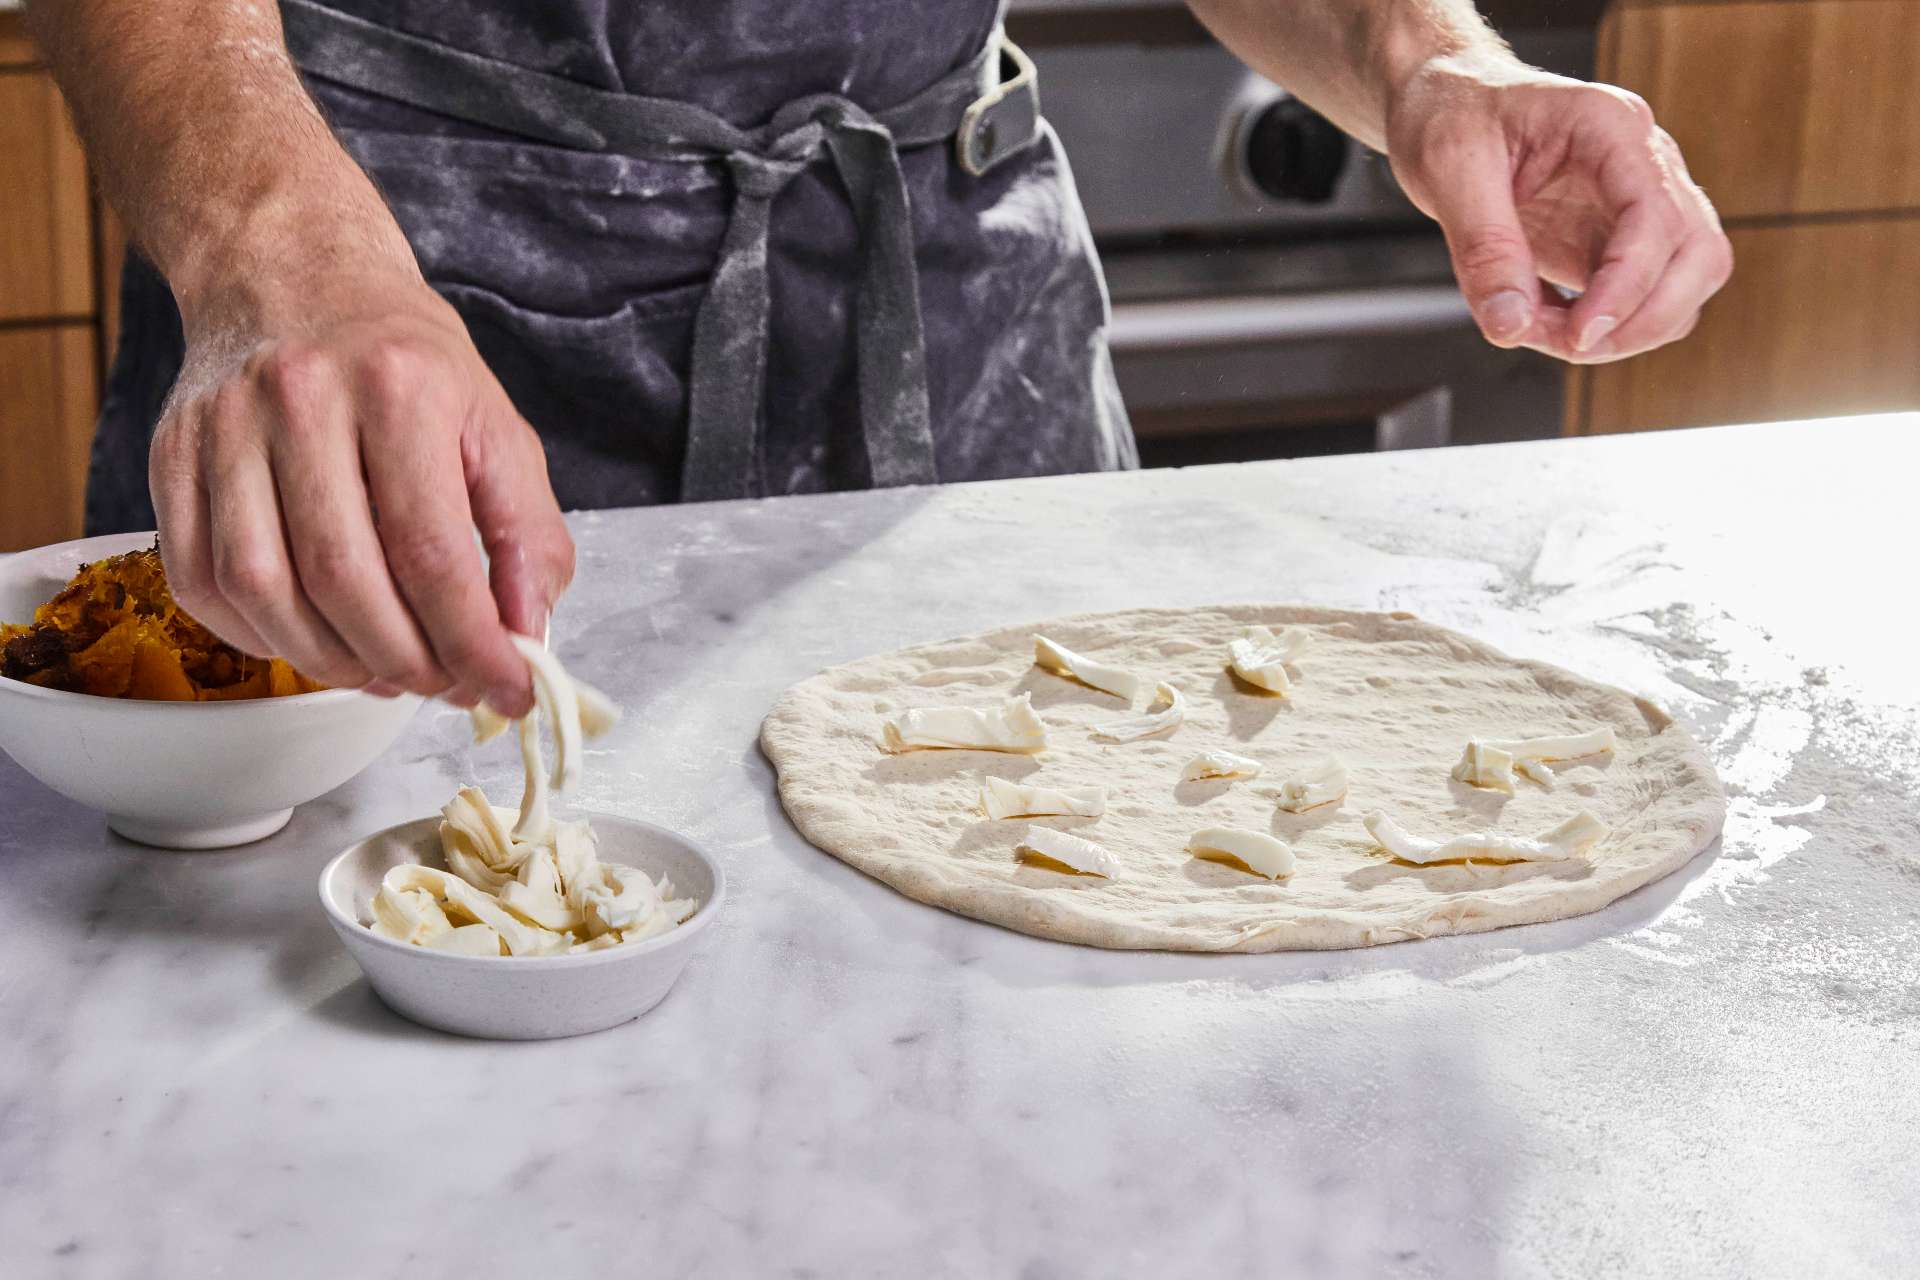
185,744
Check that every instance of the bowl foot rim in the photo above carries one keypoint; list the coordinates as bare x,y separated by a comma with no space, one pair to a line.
198,835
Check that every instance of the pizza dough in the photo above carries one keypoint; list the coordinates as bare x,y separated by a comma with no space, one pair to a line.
1393,698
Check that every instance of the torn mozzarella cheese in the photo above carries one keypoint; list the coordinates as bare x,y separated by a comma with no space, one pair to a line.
1045,845
1483,765
1134,728
1492,763
575,709
1063,661
1537,770
1002,799
1254,851
1012,726
1323,783
538,888
1260,657
469,940
1219,764
1570,746
1560,843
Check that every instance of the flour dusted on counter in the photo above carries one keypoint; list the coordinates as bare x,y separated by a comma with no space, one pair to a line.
1260,657
1002,799
1044,845
1219,764
1323,783
1254,851
1063,661
1568,840
1173,710
539,887
1012,726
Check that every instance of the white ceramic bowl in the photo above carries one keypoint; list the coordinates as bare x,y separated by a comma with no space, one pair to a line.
182,775
521,997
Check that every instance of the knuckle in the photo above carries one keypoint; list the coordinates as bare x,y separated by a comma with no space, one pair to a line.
421,554
1634,109
247,578
394,369
329,571
292,374
1487,246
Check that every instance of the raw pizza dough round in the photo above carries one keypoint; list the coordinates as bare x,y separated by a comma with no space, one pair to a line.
1395,698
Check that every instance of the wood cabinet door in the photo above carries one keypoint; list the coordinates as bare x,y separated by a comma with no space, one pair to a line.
48,397
46,251
1781,107
1819,319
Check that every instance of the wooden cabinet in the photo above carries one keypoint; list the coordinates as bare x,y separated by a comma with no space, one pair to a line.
1800,119
50,304
49,393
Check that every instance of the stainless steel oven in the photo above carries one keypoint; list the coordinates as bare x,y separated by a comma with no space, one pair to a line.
1275,293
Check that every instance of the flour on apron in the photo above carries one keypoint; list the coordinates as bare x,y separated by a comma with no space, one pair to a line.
580,272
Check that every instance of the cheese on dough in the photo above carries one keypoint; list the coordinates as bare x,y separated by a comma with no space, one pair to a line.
1002,799
1563,747
1012,726
1491,763
1045,845
1324,783
1260,657
1219,764
1482,765
1063,661
1254,851
1565,841
1134,728
1537,770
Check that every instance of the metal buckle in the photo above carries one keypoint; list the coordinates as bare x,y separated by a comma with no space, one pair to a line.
1005,118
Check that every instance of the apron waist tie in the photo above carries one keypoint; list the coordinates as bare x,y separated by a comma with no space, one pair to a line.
986,115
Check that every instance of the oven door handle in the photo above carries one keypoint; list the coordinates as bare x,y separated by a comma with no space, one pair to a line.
1293,317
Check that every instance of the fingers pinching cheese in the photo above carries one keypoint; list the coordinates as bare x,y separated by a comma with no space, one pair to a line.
538,888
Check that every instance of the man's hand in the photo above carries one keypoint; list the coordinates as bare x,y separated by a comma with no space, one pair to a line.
318,476
1539,181
334,438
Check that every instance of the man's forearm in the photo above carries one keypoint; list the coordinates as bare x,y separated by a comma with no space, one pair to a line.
203,138
1345,58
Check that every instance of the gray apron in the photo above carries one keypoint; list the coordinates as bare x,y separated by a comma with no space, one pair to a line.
712,248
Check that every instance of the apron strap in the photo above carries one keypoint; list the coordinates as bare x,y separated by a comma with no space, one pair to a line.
984,117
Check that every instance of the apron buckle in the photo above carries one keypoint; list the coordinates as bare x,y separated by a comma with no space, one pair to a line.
1004,119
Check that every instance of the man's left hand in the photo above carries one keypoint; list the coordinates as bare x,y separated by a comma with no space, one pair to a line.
1540,181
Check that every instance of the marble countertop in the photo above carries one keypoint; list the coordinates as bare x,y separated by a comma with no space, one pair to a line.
1714,1076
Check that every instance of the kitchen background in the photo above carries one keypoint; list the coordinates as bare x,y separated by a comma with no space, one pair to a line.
1274,294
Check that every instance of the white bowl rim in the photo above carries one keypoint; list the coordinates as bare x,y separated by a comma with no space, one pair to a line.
230,706
625,951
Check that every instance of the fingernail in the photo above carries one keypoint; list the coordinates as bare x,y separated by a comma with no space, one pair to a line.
462,697
1506,314
382,689
1595,333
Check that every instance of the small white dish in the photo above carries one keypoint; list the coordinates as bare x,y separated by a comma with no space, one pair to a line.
181,775
521,997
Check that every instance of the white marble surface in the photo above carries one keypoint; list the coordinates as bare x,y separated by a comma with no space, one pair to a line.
1715,1076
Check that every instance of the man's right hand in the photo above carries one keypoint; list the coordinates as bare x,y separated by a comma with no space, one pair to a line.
318,475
